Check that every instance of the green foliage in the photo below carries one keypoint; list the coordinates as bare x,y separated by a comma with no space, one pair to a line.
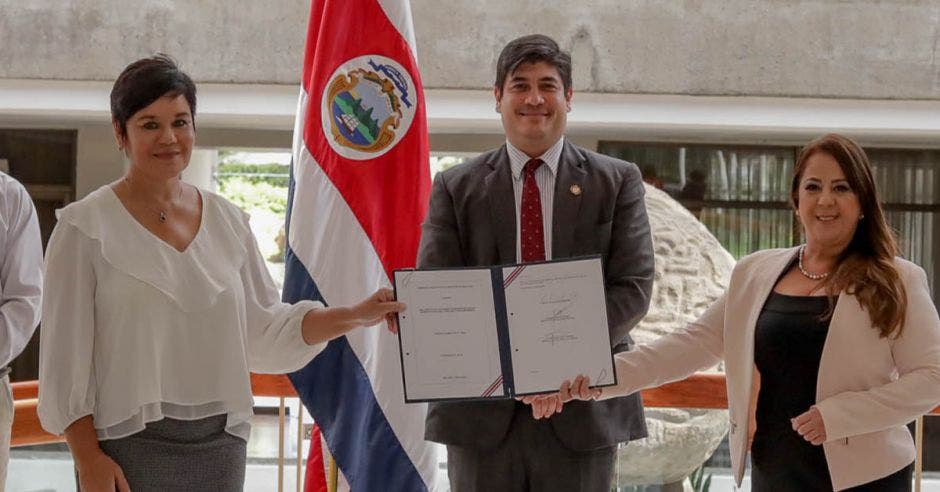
700,482
260,190
253,186
273,174
252,194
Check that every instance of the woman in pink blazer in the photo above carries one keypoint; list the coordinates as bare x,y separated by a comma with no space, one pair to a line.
830,348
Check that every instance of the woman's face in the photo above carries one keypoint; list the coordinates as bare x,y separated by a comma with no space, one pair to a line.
159,138
828,206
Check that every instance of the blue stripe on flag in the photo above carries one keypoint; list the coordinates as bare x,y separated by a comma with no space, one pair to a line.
335,389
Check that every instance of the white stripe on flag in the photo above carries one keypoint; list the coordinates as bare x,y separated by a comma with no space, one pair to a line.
399,13
341,258
347,269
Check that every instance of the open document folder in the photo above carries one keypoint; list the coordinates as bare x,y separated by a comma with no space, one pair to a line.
505,331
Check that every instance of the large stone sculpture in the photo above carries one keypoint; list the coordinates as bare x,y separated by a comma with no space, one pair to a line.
692,270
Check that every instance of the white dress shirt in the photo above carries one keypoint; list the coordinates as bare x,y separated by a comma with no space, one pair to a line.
20,269
135,331
545,179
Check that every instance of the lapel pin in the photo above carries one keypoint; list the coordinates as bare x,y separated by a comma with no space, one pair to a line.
575,190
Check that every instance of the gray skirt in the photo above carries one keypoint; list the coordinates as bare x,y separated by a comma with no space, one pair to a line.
191,455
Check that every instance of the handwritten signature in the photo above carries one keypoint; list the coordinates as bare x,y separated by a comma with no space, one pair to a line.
559,336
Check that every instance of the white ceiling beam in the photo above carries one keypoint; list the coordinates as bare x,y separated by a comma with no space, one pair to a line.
57,104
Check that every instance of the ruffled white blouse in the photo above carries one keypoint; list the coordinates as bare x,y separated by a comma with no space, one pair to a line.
134,330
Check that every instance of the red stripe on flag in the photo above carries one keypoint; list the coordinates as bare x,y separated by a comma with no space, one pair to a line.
315,476
387,194
310,49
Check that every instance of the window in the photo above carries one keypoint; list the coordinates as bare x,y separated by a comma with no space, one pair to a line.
908,182
741,193
257,183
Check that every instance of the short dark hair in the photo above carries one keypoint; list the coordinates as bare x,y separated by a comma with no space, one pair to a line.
532,49
146,80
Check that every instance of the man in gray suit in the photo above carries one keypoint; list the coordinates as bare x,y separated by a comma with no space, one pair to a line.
540,198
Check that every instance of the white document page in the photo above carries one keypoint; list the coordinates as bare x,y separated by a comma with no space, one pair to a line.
557,324
449,339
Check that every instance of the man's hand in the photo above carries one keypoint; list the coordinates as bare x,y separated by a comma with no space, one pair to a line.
810,425
543,406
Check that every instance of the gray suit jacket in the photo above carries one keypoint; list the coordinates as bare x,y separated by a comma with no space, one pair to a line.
471,222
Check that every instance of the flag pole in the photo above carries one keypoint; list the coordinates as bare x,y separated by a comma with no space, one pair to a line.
280,445
333,479
300,444
919,443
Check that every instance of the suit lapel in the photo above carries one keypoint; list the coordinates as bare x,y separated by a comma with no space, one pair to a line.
502,202
567,205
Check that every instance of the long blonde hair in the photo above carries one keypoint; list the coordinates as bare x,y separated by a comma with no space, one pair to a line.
866,268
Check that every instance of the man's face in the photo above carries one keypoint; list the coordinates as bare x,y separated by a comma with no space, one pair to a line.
534,107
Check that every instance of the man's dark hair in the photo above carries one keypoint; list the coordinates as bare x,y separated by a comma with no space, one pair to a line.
532,49
146,80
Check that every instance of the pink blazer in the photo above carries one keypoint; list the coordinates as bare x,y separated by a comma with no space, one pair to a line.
868,387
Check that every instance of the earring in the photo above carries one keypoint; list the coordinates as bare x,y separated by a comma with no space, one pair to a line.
862,216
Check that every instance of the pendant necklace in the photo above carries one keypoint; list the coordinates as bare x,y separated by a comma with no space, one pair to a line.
162,214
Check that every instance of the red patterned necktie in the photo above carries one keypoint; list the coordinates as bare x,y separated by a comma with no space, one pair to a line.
530,217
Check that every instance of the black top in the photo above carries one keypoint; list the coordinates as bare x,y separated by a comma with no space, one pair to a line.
788,343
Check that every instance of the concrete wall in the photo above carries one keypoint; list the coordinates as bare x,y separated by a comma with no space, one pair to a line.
241,41
886,49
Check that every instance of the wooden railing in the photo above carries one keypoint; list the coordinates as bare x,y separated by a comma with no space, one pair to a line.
27,431
698,391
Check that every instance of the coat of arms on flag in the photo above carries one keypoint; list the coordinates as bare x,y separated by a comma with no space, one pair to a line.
368,106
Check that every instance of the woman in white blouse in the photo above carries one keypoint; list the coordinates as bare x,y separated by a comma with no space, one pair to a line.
157,306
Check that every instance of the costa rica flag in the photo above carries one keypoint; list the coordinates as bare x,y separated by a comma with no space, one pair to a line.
359,187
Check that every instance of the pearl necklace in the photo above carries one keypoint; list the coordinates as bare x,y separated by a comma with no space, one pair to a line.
811,276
